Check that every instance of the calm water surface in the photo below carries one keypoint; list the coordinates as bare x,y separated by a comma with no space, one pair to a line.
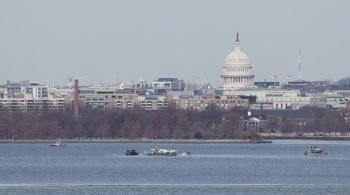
277,168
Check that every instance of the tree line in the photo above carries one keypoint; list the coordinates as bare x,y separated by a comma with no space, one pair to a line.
163,124
131,124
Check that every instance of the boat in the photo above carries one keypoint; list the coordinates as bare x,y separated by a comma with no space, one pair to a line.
261,141
185,154
161,152
58,143
131,152
315,150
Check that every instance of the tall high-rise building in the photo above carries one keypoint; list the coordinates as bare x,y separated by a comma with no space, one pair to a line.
237,71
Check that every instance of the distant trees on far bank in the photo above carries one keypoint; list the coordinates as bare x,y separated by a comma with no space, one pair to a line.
164,124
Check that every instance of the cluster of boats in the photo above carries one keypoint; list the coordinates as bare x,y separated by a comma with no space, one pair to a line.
314,150
133,152
157,152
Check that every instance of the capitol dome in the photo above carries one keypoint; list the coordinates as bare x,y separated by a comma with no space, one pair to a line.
237,71
237,57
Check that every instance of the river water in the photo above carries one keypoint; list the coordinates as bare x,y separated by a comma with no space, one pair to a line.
277,168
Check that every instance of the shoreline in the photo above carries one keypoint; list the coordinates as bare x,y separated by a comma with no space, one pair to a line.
122,141
267,139
325,138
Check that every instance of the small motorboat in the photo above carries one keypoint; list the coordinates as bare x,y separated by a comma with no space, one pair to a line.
58,143
131,152
185,154
261,141
315,150
161,152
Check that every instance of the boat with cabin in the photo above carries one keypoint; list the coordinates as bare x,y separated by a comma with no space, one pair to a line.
131,152
161,152
58,143
315,150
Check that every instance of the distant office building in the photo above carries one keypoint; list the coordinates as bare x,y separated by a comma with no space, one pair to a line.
143,85
196,86
267,84
30,89
172,84
32,105
261,106
113,98
306,86
337,102
29,97
153,102
299,85
318,100
202,102
3,92
280,98
100,96
37,91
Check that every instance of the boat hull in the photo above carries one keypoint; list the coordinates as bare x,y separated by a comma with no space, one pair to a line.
52,145
131,152
161,152
315,153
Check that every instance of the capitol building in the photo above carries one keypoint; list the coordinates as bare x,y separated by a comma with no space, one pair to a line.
237,71
238,80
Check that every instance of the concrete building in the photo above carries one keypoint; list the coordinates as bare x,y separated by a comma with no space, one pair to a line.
267,84
237,71
3,92
337,102
279,98
101,96
32,105
106,97
153,102
204,102
28,96
172,84
31,89
318,100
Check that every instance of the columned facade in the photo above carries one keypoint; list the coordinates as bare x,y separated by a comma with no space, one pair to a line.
237,71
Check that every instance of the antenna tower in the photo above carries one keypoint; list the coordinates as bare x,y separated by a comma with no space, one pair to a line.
299,65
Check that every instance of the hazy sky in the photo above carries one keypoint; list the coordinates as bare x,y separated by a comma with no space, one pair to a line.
103,41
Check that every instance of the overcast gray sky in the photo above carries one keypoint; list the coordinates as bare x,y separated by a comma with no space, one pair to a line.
107,40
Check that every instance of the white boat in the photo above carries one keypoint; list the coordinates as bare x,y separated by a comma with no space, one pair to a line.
58,143
185,154
315,150
161,152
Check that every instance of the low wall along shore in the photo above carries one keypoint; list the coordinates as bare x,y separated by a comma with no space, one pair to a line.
318,134
126,141
264,139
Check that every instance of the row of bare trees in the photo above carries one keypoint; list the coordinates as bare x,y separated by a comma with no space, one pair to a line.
122,124
165,124
324,120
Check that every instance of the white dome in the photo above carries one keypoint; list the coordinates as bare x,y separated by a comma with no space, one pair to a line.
237,57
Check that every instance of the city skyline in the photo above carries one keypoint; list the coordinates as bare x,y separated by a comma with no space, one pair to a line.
103,42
